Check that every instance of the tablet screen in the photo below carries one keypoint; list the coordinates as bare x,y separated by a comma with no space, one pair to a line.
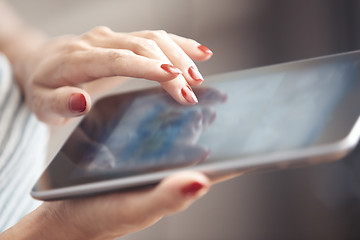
239,114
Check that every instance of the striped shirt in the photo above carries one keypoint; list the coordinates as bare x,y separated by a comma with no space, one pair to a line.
23,142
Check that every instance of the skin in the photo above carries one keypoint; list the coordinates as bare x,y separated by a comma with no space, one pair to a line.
54,69
49,71
109,216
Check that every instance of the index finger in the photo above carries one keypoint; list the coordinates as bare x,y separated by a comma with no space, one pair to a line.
94,63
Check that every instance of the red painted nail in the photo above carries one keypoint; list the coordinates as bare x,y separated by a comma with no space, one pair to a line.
205,49
171,69
189,95
195,74
192,188
77,102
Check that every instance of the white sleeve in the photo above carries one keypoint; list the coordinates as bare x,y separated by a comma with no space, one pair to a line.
23,144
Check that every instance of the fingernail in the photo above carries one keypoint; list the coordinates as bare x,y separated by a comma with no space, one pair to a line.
189,95
77,102
192,188
171,69
205,49
195,74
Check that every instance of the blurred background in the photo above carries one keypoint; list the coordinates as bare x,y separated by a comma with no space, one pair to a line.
315,202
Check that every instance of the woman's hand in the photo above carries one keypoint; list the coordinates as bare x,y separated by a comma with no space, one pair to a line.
58,72
111,215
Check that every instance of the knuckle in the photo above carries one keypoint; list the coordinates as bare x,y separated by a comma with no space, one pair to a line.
145,45
88,36
119,55
157,34
40,117
96,33
76,45
36,104
102,30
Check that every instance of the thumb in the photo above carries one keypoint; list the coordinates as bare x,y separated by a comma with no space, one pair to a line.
120,213
177,192
57,106
174,194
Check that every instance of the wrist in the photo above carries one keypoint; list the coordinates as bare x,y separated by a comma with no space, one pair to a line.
43,223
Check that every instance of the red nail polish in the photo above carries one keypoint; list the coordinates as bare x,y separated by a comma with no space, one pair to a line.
194,74
205,49
77,102
171,69
192,188
189,95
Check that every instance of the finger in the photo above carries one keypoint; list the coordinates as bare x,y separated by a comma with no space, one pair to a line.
175,54
178,191
180,90
94,63
106,38
116,214
103,37
135,210
152,44
192,48
175,193
136,44
179,87
57,106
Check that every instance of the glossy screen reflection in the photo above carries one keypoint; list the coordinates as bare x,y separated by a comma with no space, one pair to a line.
147,131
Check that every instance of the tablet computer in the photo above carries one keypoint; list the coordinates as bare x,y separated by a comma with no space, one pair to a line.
274,117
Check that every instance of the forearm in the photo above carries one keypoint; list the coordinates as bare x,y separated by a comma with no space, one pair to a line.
17,40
